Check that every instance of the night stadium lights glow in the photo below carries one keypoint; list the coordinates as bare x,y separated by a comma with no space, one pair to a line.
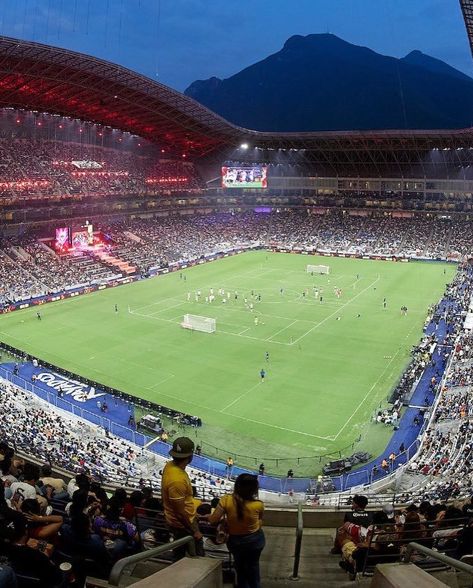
244,146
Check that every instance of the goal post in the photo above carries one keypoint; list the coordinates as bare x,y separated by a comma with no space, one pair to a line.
318,269
195,322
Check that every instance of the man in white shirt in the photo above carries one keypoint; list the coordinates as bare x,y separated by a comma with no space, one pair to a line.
27,488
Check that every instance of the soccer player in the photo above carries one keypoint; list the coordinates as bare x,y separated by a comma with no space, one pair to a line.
281,291
116,307
385,303
267,355
188,296
38,315
256,321
262,375
321,299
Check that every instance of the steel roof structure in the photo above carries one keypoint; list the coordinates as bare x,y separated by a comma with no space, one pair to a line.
467,10
58,81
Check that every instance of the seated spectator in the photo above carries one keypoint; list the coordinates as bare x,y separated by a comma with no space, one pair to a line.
27,561
57,484
131,505
120,537
44,527
20,491
78,540
356,523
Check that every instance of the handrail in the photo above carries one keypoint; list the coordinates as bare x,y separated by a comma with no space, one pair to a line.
441,557
297,550
119,567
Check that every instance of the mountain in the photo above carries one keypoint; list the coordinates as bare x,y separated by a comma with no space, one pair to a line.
320,82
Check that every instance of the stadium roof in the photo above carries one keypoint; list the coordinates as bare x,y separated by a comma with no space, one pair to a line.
44,78
467,9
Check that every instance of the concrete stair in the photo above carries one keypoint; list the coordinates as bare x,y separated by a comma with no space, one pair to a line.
317,566
116,262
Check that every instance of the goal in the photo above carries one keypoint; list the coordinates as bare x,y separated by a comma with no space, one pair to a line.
318,269
195,322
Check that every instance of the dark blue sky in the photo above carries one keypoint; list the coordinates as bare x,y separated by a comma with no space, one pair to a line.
179,41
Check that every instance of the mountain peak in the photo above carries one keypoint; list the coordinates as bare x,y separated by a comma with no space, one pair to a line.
432,64
298,40
321,82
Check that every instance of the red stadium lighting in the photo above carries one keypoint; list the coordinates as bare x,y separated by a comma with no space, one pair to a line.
18,121
162,150
184,155
60,126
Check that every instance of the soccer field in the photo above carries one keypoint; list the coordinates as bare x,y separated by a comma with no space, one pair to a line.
331,363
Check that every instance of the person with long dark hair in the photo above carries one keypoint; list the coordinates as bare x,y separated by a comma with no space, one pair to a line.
244,518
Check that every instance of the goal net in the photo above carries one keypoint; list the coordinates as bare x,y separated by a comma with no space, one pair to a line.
318,269
199,323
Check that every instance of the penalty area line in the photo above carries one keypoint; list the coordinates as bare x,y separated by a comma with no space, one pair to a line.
330,438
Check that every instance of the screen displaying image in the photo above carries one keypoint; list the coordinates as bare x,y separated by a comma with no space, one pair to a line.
63,237
245,177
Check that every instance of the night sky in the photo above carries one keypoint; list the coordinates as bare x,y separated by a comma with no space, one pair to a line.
178,41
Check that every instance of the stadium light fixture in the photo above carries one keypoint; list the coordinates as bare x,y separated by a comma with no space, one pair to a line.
244,146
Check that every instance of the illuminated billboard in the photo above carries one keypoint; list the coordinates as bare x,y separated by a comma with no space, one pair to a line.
255,176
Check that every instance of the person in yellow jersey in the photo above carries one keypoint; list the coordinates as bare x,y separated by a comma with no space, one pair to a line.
180,508
244,517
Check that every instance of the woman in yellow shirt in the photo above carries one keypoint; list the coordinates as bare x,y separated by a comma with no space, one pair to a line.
244,517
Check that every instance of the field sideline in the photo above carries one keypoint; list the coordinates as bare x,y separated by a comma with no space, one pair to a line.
330,364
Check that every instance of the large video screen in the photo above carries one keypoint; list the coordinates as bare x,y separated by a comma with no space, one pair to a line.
63,238
255,176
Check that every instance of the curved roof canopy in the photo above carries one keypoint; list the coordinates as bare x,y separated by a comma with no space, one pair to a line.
40,77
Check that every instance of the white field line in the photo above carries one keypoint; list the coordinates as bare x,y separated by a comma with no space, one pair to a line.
336,312
240,397
193,289
375,384
138,308
281,330
280,428
367,394
243,418
157,318
162,381
167,308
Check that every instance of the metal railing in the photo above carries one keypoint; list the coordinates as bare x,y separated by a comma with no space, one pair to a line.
120,567
442,558
298,545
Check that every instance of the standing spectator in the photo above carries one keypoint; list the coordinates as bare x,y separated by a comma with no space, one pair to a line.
261,469
244,514
180,508
229,466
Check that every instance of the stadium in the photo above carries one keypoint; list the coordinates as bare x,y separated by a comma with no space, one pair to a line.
300,305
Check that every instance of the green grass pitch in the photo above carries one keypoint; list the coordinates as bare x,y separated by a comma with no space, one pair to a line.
328,368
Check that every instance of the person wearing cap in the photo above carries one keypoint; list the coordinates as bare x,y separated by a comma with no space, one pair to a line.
180,508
